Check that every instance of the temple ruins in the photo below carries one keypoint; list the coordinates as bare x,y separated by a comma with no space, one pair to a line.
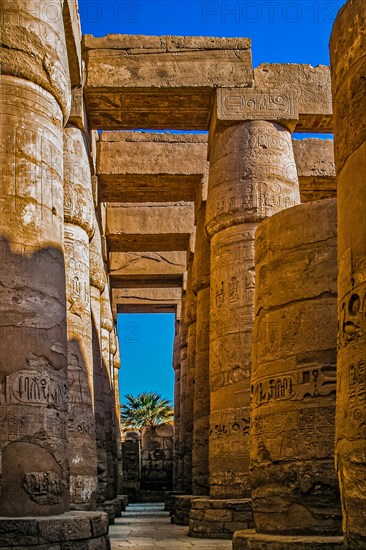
255,240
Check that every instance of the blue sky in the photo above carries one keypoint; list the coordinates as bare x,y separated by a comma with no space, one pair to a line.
282,31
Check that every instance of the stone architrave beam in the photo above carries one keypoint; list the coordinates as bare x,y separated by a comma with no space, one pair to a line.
148,167
160,81
151,227
135,268
314,160
311,87
146,300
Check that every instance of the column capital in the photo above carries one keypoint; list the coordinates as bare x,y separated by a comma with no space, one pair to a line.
236,105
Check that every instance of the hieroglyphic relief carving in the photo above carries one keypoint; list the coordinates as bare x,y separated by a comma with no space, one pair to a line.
245,104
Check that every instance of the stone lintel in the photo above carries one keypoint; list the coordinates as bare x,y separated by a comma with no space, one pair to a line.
73,40
153,227
146,300
238,104
160,82
311,87
316,168
140,266
147,167
250,540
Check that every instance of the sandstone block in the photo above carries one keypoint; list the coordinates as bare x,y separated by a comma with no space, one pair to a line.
311,87
160,82
316,169
143,167
151,227
249,540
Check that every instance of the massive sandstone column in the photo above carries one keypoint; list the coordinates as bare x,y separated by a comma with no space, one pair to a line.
107,326
79,228
201,408
252,176
34,99
176,367
293,385
348,66
190,314
98,281
182,482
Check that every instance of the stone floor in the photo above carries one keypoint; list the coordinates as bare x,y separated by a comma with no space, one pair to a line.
148,527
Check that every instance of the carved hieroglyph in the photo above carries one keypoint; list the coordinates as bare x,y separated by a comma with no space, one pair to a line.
33,379
252,176
97,284
79,228
201,408
107,327
293,385
348,66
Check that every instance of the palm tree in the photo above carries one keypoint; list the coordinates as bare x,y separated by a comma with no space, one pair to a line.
147,409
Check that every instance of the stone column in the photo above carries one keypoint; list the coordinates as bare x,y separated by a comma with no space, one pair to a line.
295,495
176,366
98,282
190,321
182,486
34,100
107,326
201,410
348,67
252,176
79,228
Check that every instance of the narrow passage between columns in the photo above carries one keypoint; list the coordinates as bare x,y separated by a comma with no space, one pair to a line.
148,527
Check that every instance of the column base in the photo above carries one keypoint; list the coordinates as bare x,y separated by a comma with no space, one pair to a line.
181,508
121,504
108,507
168,499
250,540
219,518
84,530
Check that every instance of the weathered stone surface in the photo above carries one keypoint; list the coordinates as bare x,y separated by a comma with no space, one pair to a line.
237,104
201,405
311,87
348,65
252,176
148,300
79,227
33,47
219,518
157,458
347,48
160,81
315,167
177,380
107,327
144,268
33,362
148,167
73,40
66,531
131,465
152,227
180,509
294,486
250,540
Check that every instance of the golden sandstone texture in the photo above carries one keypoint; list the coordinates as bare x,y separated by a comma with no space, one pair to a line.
254,239
348,57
